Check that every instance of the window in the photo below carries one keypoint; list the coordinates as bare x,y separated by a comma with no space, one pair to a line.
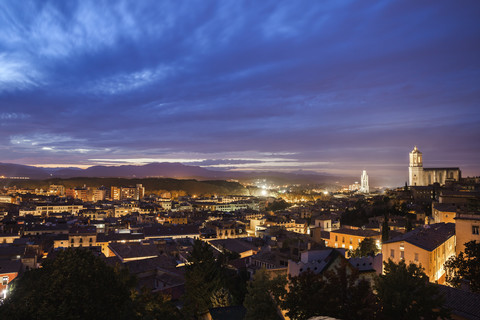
343,239
416,257
475,230
336,238
392,253
5,280
402,254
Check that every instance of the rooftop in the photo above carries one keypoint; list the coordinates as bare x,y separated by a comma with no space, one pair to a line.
357,232
428,237
462,303
234,245
170,230
133,250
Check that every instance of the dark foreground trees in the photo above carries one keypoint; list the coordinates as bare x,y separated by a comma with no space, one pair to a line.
402,292
260,300
76,285
365,248
465,266
405,293
339,293
208,283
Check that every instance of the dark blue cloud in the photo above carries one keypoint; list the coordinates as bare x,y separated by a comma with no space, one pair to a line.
331,86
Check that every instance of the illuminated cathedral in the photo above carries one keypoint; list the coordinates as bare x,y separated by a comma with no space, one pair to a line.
420,176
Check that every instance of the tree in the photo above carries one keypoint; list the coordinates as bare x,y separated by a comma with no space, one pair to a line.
304,297
204,275
154,306
366,247
466,266
408,224
259,301
278,205
74,285
221,298
405,293
385,230
338,293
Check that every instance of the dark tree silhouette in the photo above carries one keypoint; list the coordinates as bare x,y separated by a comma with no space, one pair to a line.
74,285
466,266
405,293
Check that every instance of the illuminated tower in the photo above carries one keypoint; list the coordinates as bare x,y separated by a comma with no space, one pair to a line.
415,169
364,182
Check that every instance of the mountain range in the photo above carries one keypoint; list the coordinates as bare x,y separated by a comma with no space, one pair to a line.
168,170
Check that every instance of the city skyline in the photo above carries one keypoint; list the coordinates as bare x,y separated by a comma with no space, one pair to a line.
331,87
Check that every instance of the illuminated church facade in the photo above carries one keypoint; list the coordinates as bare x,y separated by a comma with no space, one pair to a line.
420,176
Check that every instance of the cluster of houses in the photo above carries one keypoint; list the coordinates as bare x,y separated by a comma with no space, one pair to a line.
153,235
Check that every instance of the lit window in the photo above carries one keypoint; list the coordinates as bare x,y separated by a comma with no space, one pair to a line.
475,230
5,280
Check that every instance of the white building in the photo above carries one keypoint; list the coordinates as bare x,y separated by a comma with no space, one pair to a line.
420,176
364,182
51,209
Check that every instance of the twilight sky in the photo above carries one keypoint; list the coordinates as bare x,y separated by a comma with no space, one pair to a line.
329,86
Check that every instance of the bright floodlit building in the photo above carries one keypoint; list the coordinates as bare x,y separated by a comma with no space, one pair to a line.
420,176
364,182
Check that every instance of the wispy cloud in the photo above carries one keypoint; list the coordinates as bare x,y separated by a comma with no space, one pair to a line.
223,84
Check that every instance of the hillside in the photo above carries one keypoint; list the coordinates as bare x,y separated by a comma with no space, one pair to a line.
152,185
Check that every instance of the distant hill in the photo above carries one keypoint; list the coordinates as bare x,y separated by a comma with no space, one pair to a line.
152,185
18,170
170,170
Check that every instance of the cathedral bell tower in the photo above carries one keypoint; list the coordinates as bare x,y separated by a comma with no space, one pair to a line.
415,169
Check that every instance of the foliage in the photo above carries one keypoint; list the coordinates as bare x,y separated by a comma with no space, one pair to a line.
278,205
154,306
221,298
466,266
259,301
236,283
152,185
338,293
365,248
405,293
74,285
204,276
385,230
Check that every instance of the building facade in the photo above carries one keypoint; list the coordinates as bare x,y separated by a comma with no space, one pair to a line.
364,182
467,228
429,247
420,176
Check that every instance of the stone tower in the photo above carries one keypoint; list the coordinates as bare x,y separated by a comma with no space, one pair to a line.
415,169
364,183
